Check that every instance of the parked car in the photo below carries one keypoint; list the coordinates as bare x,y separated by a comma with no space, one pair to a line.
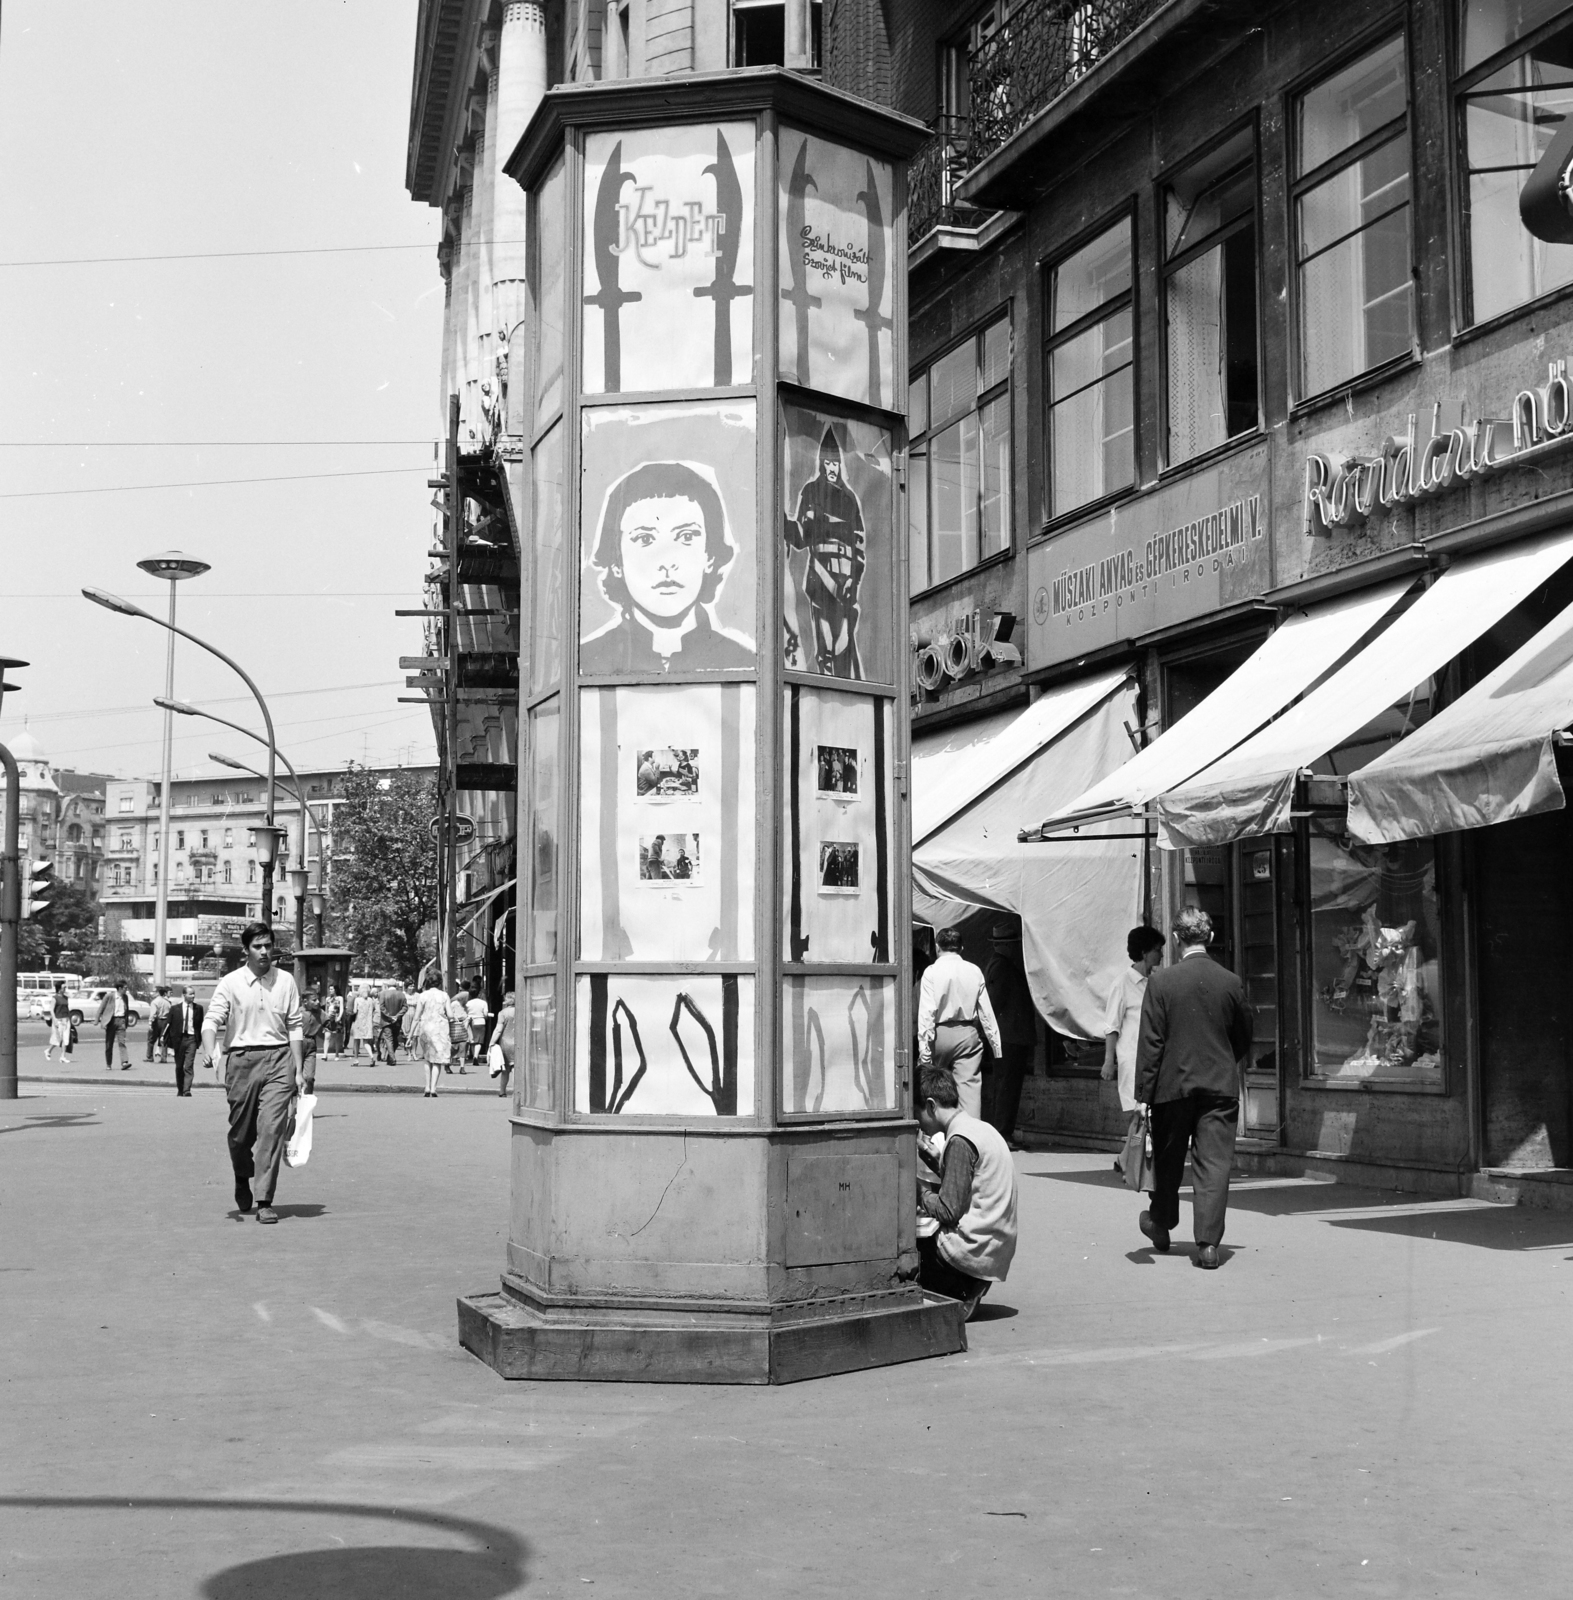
41,1007
91,999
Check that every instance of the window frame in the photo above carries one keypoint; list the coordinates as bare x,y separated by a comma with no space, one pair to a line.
920,443
1169,266
1395,24
1460,84
1129,301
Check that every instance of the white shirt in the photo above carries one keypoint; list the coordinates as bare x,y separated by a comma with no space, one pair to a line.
248,1011
1123,1016
478,1009
953,990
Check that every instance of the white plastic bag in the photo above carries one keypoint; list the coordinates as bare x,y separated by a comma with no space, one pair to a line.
298,1151
495,1061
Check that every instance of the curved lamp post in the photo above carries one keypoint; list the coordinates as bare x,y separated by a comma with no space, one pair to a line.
175,566
298,874
265,852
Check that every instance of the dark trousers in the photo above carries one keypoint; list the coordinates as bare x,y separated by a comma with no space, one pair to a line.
260,1084
1204,1124
157,1031
387,1039
114,1029
185,1063
937,1275
1002,1081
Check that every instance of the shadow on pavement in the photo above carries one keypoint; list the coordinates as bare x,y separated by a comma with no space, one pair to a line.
62,1119
990,1312
494,1568
304,1212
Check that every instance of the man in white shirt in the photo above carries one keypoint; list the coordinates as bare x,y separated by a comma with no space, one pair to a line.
954,1018
1122,1020
256,1009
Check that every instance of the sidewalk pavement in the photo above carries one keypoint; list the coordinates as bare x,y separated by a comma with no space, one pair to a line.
341,1074
1369,1399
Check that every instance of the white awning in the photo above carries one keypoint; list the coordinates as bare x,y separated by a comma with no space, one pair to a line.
1487,758
1251,791
1306,645
950,769
1076,901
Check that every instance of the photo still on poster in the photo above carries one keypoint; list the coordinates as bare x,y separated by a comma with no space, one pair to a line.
668,581
837,208
668,258
666,835
837,578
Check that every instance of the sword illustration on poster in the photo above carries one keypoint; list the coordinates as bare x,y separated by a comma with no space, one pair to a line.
725,289
668,225
835,251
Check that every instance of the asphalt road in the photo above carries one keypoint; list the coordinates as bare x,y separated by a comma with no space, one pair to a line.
1369,1399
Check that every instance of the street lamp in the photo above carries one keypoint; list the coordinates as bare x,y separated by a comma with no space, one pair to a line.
113,602
174,566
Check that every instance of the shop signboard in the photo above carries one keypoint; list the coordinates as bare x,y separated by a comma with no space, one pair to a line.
1184,551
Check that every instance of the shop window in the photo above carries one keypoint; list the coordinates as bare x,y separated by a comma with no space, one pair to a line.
958,482
1353,255
1209,289
1091,354
1376,1002
759,33
1514,89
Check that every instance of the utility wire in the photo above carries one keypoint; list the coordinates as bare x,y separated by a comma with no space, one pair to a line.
193,444
222,700
207,483
236,255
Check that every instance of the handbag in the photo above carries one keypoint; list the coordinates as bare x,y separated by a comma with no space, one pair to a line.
1137,1157
72,1045
298,1151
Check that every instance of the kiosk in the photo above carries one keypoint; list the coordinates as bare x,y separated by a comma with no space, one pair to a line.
713,1174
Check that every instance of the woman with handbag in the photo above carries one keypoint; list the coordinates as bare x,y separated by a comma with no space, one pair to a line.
499,1058
1122,1024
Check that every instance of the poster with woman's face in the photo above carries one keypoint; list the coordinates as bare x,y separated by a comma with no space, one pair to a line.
836,309
668,258
668,577
837,576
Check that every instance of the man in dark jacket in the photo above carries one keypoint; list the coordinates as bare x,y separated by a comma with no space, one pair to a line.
1195,1028
1006,980
183,1035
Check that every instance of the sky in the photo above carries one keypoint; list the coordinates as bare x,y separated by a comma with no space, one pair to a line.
178,128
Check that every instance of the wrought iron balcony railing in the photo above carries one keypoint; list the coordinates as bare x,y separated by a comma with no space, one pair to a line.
1037,53
932,178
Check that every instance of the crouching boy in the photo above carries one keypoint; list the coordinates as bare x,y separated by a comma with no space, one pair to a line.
973,1237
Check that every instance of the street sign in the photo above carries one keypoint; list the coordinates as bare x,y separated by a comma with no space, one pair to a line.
463,828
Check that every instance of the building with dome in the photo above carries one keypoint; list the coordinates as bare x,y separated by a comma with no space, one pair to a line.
62,813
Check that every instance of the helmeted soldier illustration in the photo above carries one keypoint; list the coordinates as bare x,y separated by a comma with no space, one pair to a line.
829,526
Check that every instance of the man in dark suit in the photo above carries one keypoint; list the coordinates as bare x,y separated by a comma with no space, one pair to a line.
183,1035
1195,1028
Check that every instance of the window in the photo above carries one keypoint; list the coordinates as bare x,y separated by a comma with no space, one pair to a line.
1514,89
74,834
155,872
125,804
251,872
1209,292
229,873
180,838
180,871
204,838
1351,220
229,838
759,33
958,485
1092,434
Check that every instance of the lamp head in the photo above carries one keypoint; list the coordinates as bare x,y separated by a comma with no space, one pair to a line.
230,761
297,882
113,602
318,901
174,565
176,705
265,840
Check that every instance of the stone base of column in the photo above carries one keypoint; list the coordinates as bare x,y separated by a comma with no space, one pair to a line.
521,1334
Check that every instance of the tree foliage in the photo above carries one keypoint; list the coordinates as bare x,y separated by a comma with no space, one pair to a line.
383,897
61,935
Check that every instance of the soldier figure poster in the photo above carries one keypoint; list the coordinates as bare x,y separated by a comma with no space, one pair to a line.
837,477
668,258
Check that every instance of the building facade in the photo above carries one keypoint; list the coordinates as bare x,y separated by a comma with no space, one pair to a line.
61,817
1231,326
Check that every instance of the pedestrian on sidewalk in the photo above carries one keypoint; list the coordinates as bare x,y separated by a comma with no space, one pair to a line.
1195,1029
333,1019
60,1025
476,1013
156,1022
502,1040
1005,979
955,1018
1122,1021
430,1034
311,1026
183,1034
114,1012
393,1002
459,1027
367,1024
256,1012
974,1209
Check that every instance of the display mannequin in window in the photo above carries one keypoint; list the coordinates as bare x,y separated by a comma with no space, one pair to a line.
829,526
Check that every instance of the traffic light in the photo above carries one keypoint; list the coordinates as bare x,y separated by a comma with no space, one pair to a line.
39,885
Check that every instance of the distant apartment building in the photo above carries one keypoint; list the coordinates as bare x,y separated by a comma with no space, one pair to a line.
61,816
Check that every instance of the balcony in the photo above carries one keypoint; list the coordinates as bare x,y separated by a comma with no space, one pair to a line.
932,178
1073,74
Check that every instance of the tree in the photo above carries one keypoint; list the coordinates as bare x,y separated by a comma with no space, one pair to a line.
69,924
383,889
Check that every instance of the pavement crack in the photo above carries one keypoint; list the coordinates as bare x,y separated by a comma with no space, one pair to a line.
683,1162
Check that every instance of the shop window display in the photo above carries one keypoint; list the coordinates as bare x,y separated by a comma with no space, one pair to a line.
1375,947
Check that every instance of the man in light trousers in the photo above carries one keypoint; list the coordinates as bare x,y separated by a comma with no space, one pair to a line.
256,1012
955,1017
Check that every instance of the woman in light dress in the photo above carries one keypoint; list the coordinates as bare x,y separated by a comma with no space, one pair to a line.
427,1033
368,1019
502,1037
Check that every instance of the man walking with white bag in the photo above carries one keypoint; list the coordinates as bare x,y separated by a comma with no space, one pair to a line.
256,1009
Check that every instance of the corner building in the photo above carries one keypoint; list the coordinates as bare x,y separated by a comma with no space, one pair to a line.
1239,393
